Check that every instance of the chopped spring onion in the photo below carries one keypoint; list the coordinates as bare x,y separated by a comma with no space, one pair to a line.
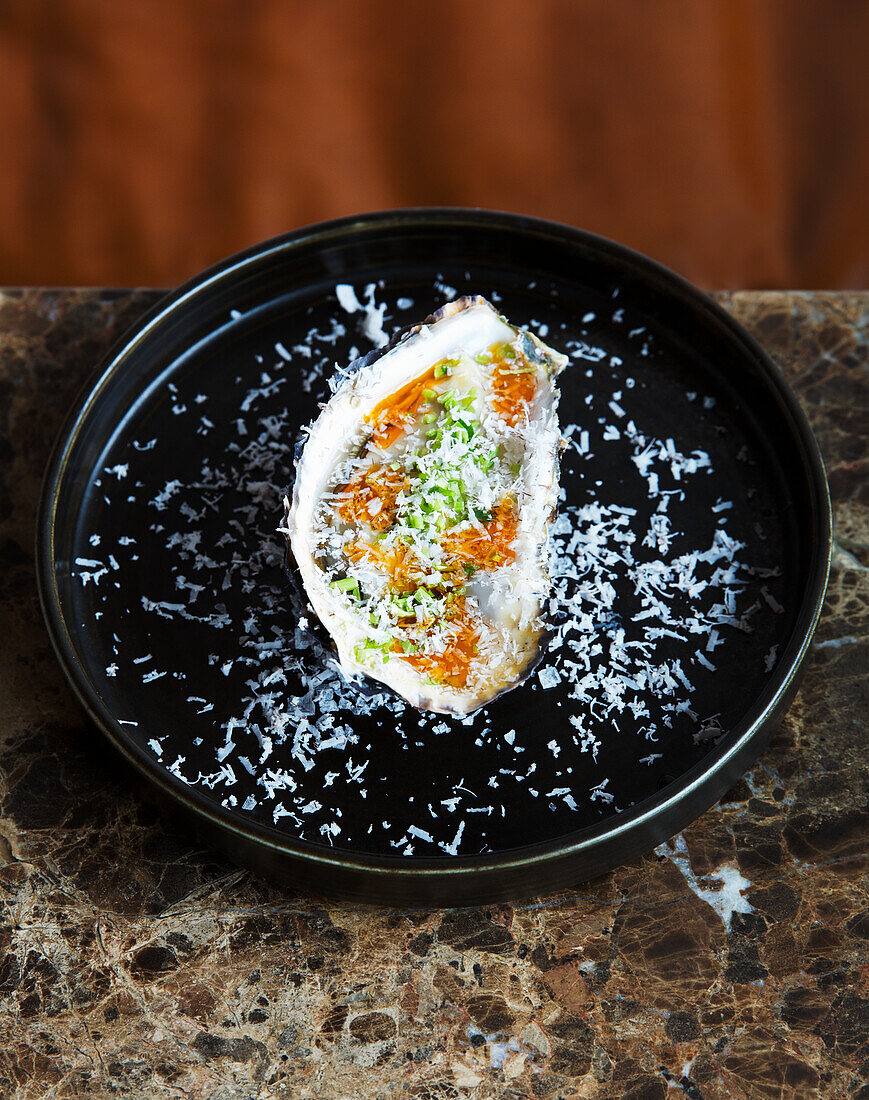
349,585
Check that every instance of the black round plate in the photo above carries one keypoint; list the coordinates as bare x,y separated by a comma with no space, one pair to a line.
690,561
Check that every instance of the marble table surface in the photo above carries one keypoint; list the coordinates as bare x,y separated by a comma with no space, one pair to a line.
133,962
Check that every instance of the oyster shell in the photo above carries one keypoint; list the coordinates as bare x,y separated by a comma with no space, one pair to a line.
421,506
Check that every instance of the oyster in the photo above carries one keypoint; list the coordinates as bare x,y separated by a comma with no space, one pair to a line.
421,507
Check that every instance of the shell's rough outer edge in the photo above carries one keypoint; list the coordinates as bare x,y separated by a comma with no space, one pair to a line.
468,301
309,466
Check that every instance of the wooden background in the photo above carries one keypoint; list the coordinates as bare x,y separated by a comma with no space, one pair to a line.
144,139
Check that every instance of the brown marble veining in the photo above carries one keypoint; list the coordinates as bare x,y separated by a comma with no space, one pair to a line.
133,962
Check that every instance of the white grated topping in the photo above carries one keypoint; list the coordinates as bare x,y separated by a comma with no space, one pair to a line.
620,672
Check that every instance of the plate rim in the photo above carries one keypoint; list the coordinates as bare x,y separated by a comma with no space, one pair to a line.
737,747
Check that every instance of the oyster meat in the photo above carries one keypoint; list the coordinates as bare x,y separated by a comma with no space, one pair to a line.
421,507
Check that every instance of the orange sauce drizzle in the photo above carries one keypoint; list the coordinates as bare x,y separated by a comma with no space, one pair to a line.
489,548
512,392
394,414
397,562
450,667
376,483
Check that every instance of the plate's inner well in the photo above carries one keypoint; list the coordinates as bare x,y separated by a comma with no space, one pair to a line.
669,606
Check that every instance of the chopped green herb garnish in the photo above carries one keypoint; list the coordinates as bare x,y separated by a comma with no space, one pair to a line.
349,585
